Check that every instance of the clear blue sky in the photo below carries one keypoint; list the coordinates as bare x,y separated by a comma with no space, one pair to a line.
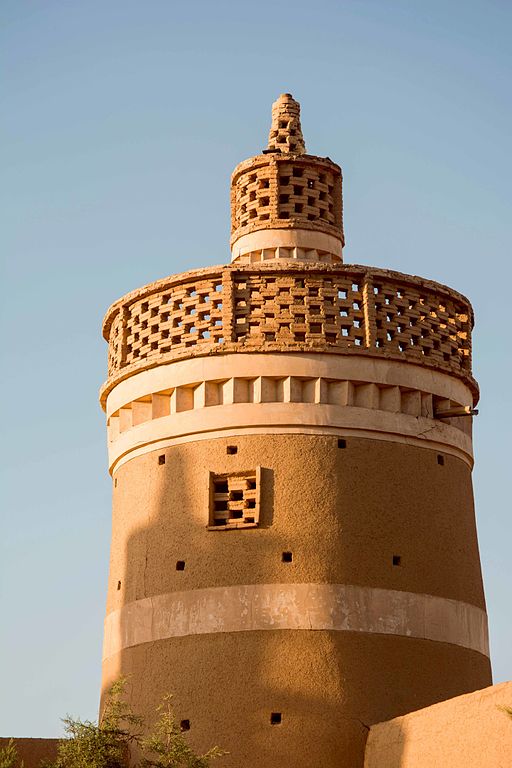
122,122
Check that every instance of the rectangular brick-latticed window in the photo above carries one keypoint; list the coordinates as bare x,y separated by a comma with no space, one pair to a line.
235,499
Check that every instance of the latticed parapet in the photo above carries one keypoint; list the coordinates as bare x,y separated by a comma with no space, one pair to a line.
290,308
284,191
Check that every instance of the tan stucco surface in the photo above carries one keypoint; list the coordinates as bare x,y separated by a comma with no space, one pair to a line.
343,513
328,686
468,731
32,751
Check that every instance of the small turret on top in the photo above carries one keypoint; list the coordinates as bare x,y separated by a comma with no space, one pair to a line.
286,132
286,204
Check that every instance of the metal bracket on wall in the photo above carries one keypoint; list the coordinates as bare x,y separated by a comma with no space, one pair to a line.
460,410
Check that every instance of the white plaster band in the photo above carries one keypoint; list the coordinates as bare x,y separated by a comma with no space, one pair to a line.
328,607
349,367
226,395
289,237
133,451
298,418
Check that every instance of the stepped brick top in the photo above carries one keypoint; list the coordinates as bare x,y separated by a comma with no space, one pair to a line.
285,188
286,132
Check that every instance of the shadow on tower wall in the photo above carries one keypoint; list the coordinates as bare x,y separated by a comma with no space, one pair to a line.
328,687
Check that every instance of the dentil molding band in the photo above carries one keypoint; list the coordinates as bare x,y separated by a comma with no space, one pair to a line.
318,394
332,607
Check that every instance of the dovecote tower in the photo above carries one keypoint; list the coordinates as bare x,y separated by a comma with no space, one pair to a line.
294,552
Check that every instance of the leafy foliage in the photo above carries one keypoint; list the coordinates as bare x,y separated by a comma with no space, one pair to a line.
102,745
167,747
9,755
107,744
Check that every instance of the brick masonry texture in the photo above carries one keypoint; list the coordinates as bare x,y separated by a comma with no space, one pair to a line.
276,192
343,309
286,132
284,187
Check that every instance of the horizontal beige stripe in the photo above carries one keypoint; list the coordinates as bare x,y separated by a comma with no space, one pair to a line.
334,607
285,238
296,418
139,449
336,367
159,445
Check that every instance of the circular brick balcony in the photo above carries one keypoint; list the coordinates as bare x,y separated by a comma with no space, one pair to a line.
345,309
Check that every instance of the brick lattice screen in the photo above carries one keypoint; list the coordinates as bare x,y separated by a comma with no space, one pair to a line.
342,310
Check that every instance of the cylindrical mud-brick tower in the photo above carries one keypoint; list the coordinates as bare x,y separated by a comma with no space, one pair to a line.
294,552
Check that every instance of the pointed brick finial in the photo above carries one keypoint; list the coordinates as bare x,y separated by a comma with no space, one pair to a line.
286,134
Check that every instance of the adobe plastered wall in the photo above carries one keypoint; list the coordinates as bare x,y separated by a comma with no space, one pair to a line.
343,513
33,751
469,731
327,686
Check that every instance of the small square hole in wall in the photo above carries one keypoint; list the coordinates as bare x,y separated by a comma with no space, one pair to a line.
276,718
397,560
342,443
221,486
180,565
440,459
287,557
118,585
115,483
185,725
232,449
161,459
